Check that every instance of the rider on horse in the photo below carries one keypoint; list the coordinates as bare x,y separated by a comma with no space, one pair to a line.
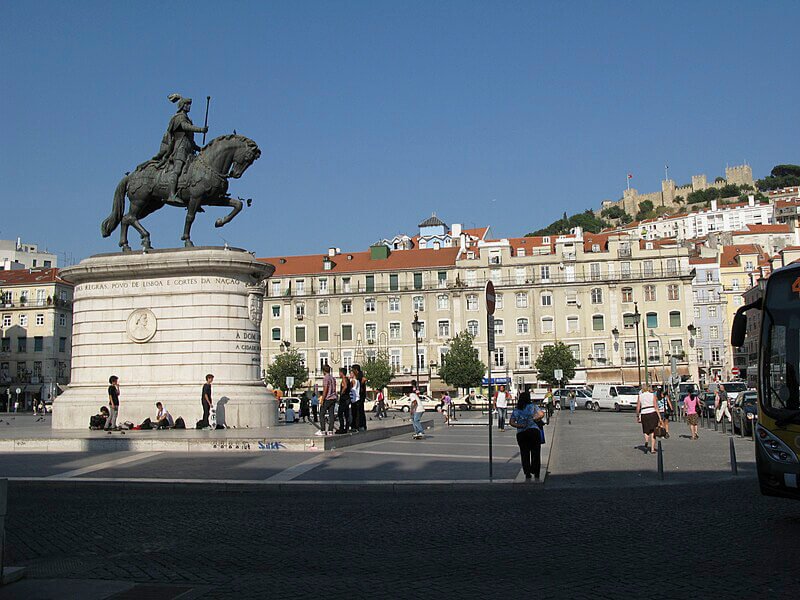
178,144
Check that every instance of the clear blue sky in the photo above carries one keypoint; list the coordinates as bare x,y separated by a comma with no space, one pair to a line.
372,114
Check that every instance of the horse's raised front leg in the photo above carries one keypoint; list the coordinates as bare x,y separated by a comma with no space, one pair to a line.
236,204
191,212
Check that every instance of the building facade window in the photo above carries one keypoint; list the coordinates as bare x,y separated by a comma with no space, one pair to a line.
651,320
395,361
630,352
62,320
22,344
347,307
371,331
347,333
473,328
524,356
472,302
369,305
276,311
323,307
323,333
627,294
498,300
713,332
500,357
499,328
300,310
300,334
394,282
673,292
572,324
649,293
394,330
300,287
546,299
598,323
596,296
417,281
674,318
628,321
418,303
443,328
547,324
521,299
712,311
599,352
23,320
443,302
322,284
394,304
522,326
6,320
40,319
276,334
544,272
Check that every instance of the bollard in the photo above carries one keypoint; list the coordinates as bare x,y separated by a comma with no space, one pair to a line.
734,468
722,420
753,430
741,424
716,424
660,462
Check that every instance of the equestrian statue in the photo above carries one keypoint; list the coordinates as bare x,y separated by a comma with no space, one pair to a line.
181,174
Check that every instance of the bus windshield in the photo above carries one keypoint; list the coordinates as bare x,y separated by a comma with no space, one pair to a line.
780,392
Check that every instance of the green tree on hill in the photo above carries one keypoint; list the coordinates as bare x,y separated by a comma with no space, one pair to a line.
586,220
781,176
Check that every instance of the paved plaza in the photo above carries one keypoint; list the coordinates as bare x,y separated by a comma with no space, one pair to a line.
601,526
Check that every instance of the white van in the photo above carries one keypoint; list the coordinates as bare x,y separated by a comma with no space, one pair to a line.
609,395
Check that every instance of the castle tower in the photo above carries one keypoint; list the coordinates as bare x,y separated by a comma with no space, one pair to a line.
699,182
739,175
667,192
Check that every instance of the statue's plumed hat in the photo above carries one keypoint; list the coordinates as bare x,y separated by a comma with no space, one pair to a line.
179,99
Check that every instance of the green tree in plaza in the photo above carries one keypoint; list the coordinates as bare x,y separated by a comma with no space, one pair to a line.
552,358
287,364
378,371
461,366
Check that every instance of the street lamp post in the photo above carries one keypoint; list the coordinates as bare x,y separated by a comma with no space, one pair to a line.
416,326
637,317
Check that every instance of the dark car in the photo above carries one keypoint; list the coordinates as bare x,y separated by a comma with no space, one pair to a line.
707,405
744,412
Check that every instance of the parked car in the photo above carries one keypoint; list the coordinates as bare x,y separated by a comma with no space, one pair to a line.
734,387
404,404
744,412
583,398
293,400
471,402
618,397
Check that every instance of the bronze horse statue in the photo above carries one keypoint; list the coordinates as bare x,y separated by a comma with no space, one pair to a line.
204,182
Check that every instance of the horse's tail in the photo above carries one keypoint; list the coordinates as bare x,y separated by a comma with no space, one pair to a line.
117,209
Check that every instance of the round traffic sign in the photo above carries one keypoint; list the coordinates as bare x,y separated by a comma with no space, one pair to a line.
490,297
735,371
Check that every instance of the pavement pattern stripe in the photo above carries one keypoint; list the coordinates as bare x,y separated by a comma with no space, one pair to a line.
303,467
425,455
125,460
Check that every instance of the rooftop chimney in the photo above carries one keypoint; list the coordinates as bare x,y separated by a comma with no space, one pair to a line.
751,200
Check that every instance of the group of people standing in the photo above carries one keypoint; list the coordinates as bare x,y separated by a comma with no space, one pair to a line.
655,408
349,394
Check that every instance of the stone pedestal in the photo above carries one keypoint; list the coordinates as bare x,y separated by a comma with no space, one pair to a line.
160,322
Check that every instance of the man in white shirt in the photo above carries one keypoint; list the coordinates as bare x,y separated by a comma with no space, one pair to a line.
416,412
501,406
163,418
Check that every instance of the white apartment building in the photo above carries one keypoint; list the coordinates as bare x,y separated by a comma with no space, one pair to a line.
16,254
339,308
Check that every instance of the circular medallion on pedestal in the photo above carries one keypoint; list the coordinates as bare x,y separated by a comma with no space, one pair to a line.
142,325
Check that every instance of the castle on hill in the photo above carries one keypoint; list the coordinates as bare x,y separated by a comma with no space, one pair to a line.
673,196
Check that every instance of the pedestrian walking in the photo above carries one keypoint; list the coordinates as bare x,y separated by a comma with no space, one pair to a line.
666,408
113,402
207,400
572,402
315,407
691,406
648,414
549,406
501,406
359,414
380,406
417,410
526,419
447,406
328,402
345,421
722,404
305,408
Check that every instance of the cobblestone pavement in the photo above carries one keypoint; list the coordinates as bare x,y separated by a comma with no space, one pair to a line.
661,541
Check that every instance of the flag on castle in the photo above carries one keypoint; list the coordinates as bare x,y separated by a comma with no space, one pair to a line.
630,175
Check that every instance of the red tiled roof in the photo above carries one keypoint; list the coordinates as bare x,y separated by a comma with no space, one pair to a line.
730,254
30,277
479,232
697,260
355,262
776,228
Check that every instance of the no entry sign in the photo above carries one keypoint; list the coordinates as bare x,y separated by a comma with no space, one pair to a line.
490,298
